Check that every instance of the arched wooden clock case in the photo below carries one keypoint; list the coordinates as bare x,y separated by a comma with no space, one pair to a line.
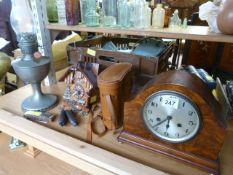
201,150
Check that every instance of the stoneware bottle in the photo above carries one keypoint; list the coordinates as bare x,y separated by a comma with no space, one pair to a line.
225,18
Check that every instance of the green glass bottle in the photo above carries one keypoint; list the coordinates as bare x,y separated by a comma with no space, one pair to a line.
52,11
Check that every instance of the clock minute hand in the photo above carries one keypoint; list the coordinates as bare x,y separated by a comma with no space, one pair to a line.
162,121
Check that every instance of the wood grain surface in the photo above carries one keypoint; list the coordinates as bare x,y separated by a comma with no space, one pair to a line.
82,155
14,162
12,101
201,33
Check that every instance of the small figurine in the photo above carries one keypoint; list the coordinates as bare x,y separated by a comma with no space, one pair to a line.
16,143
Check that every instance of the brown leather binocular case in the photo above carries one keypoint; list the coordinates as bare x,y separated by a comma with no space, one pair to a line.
115,84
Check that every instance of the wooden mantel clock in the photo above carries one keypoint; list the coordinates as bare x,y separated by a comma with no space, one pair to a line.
176,115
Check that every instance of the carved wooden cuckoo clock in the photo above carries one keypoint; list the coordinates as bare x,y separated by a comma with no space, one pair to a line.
81,91
176,115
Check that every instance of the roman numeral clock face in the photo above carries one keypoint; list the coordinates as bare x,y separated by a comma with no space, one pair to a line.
171,116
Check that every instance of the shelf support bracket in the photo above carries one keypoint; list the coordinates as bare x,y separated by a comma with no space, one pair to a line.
43,36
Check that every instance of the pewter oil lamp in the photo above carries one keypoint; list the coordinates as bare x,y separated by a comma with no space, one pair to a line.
27,67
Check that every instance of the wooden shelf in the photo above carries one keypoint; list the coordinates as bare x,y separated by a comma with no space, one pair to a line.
191,32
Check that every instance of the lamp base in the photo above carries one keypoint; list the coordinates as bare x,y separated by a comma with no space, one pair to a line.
41,103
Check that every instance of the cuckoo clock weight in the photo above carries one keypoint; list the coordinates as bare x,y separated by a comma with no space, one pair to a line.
176,115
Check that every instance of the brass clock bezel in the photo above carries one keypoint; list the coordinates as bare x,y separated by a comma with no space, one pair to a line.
185,97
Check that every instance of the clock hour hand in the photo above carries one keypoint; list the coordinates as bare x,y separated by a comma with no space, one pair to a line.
168,122
167,118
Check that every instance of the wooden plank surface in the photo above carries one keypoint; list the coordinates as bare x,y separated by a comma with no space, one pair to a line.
75,152
191,32
15,162
12,102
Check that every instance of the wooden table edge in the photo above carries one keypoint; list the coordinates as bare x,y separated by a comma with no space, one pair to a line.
80,154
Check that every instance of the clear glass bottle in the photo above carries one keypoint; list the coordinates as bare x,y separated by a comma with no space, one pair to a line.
123,13
83,8
158,16
72,12
140,17
185,23
101,13
61,11
137,13
147,21
175,21
110,12
51,7
92,18
131,13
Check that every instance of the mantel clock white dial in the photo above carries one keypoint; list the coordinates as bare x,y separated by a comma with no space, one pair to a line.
171,116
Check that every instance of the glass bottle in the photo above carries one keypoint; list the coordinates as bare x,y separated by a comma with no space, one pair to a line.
175,21
61,11
92,18
168,14
123,13
152,4
99,10
131,13
72,12
158,16
110,12
137,13
140,7
101,13
83,8
51,7
147,21
185,23
91,5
